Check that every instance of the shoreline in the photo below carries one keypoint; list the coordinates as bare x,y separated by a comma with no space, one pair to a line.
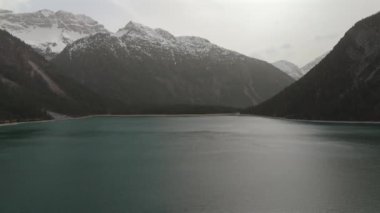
315,121
119,115
193,115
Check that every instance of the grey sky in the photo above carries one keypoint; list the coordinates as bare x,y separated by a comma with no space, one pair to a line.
294,30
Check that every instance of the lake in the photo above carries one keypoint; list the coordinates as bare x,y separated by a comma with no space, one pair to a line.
212,164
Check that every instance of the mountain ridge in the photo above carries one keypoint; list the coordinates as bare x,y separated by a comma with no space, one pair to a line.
164,61
48,31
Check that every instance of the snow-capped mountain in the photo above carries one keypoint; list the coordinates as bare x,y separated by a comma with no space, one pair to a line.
345,85
289,68
305,69
135,36
47,31
142,66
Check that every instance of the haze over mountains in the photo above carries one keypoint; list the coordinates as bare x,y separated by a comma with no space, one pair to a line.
345,85
293,70
289,68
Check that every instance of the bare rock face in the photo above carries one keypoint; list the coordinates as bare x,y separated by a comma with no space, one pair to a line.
345,85
47,31
142,66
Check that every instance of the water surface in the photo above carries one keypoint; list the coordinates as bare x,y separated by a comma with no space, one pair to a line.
189,164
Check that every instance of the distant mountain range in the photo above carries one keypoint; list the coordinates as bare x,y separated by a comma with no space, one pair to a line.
136,70
144,70
47,31
289,68
293,70
345,85
142,66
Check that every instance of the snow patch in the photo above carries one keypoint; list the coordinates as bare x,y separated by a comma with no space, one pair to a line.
142,38
47,30
46,13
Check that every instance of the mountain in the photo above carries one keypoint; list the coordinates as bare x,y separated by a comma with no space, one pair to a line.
31,90
345,85
146,67
289,68
305,69
47,31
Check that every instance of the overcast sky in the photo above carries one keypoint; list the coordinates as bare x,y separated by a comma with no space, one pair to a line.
294,30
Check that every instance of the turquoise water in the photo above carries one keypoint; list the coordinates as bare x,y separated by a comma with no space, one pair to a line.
189,164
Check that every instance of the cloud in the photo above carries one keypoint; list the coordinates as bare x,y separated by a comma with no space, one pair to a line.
275,53
326,37
265,54
271,51
12,4
286,46
170,11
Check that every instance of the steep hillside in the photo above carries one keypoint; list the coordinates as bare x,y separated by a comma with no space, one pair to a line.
29,89
345,85
305,69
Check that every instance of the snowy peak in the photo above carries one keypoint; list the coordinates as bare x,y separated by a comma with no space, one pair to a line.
165,34
80,23
144,37
135,30
46,13
194,40
49,31
289,68
48,19
137,27
146,40
165,70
